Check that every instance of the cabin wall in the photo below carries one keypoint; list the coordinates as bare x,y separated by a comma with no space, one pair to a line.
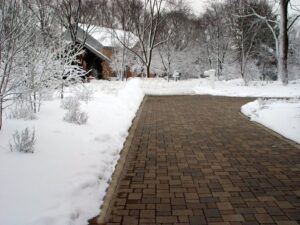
107,51
106,69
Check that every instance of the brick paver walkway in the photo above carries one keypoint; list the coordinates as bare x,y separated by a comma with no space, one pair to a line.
195,160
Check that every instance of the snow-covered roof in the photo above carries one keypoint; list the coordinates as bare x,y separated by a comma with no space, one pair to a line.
111,37
89,42
96,52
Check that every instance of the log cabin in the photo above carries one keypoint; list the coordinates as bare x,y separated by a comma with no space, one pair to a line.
99,44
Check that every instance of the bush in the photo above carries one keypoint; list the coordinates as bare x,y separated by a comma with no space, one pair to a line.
84,95
21,111
23,142
48,96
70,103
74,115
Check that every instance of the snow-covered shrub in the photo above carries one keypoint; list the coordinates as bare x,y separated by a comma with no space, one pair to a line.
84,94
74,115
70,103
23,141
21,111
48,96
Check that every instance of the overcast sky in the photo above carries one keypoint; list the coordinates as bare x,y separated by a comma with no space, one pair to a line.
199,6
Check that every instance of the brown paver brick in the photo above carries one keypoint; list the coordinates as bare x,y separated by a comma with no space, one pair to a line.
197,220
224,205
130,220
149,213
195,160
166,219
233,218
135,196
182,212
287,223
264,218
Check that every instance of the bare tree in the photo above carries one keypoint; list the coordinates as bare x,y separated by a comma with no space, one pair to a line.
119,9
43,11
75,13
146,28
281,38
245,31
218,35
283,42
176,34
14,37
69,13
144,19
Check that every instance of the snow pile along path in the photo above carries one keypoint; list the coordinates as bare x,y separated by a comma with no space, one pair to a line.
64,181
236,87
282,116
160,86
253,89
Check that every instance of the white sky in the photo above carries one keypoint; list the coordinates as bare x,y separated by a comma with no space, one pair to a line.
199,6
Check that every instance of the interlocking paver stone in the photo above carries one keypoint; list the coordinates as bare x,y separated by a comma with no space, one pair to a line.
195,160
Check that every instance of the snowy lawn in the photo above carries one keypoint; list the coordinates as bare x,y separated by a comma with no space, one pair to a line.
64,181
282,116
253,89
221,88
160,86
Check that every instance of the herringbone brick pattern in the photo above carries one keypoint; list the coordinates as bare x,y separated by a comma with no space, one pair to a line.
195,160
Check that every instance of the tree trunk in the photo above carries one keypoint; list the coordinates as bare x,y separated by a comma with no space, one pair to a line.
169,70
1,110
218,53
62,91
148,71
34,102
209,59
1,96
283,42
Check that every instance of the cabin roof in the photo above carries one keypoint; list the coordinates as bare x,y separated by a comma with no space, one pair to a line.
108,37
89,42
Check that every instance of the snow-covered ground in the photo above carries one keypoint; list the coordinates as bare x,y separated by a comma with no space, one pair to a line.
222,88
282,116
253,89
64,181
160,86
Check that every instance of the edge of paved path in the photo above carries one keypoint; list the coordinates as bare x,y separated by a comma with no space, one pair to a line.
278,135
119,169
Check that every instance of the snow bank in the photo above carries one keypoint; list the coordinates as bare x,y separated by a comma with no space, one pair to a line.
64,181
254,89
282,116
159,86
